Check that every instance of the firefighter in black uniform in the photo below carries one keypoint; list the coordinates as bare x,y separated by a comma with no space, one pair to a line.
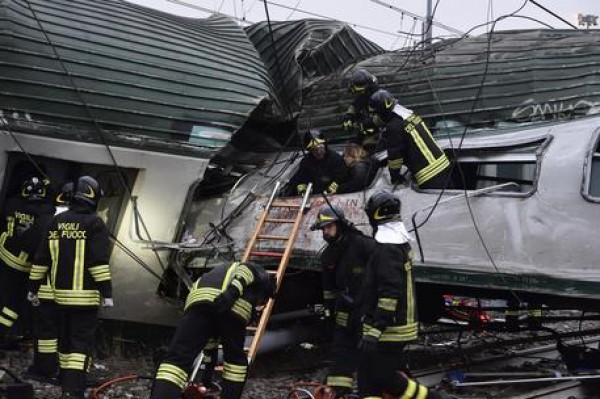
76,255
23,219
220,304
408,142
343,262
321,166
45,314
357,118
388,306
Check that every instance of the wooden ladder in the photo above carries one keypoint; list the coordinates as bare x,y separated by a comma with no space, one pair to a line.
266,218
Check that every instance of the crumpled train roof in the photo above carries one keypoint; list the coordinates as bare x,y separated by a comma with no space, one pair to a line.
145,76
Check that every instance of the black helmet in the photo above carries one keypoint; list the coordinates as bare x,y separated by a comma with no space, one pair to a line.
314,138
362,82
35,189
88,191
382,207
328,214
382,103
65,195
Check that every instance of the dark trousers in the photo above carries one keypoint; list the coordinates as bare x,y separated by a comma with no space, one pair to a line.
45,330
76,344
13,294
378,373
199,324
345,357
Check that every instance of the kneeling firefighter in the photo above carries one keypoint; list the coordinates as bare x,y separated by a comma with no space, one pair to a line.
219,306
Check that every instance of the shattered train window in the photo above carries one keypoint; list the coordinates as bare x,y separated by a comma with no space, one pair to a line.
594,185
491,167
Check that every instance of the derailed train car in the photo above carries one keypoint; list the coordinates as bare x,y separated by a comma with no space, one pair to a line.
186,123
523,223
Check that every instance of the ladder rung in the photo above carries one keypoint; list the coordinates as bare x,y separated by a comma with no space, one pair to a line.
251,328
270,237
281,204
246,349
280,220
267,254
271,271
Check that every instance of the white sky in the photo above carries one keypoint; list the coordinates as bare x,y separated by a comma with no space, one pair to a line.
385,23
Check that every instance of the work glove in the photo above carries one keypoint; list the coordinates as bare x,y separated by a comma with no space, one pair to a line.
301,188
368,344
224,302
107,303
348,122
33,298
332,188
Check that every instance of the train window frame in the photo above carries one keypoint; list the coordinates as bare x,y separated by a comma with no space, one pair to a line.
591,179
525,159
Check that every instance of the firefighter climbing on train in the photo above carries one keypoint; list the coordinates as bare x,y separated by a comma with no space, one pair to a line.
23,220
321,166
357,118
343,265
76,255
408,141
220,304
45,315
387,303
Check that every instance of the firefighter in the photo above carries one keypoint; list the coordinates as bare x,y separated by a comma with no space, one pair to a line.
388,306
220,304
45,315
23,219
357,118
343,262
321,166
408,142
76,256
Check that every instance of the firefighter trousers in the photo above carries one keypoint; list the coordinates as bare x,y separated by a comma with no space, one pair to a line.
76,343
344,356
13,294
45,330
378,372
200,323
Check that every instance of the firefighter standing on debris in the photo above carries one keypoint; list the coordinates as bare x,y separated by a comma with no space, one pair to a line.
76,256
343,263
220,304
408,142
23,220
45,315
321,166
357,118
388,306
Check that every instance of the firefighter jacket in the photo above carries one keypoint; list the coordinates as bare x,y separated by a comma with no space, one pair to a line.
388,295
357,118
75,254
247,283
320,172
23,223
344,264
409,142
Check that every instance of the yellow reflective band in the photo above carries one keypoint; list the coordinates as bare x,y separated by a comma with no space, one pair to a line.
410,295
245,274
372,331
201,294
238,285
324,218
10,313
405,333
387,304
6,322
173,374
231,271
18,263
339,381
395,163
373,397
47,345
73,361
410,390
432,170
78,264
54,251
38,272
341,319
100,273
329,294
77,298
420,143
242,308
234,372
